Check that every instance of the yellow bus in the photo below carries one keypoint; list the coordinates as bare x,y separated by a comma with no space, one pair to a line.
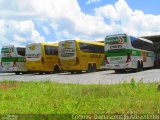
42,57
77,55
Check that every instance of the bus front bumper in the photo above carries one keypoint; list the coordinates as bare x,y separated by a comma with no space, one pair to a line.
119,66
9,69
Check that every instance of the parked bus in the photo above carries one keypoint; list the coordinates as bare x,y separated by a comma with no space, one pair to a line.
77,55
126,52
13,59
42,57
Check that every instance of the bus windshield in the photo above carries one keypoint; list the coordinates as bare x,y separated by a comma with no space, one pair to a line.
142,44
34,51
67,49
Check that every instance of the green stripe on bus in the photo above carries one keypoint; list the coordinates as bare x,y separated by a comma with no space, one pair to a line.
136,53
123,53
12,59
114,53
115,39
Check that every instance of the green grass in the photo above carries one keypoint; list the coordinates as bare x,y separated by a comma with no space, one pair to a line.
54,98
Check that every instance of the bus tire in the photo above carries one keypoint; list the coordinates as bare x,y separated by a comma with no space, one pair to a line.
116,71
119,71
138,66
56,69
72,72
79,71
94,67
141,65
17,73
41,73
89,68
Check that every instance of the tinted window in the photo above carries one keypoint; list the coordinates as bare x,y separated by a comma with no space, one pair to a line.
51,50
21,51
91,48
141,44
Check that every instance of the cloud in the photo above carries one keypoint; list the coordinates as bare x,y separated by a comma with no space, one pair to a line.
46,30
67,22
66,19
133,22
18,32
92,1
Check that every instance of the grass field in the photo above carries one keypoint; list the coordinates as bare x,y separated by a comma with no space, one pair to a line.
54,98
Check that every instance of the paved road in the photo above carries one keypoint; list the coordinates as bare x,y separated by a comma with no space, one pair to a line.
101,77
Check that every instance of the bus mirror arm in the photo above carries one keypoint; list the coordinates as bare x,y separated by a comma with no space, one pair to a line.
42,60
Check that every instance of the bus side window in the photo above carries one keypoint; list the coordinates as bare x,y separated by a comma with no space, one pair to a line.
51,50
140,44
85,47
55,50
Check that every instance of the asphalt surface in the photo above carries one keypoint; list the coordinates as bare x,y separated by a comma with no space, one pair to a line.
100,77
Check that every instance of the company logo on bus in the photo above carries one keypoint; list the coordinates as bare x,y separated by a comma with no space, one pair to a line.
7,52
67,45
32,47
38,55
115,40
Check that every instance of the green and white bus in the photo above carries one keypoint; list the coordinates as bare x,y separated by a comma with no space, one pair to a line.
13,59
125,52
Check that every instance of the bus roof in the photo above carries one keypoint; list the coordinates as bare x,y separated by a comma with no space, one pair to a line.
116,35
43,43
12,46
149,41
89,42
7,46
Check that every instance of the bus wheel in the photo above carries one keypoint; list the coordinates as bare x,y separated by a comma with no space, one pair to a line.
94,67
141,65
117,71
138,66
79,72
89,68
56,69
41,73
72,72
17,73
120,71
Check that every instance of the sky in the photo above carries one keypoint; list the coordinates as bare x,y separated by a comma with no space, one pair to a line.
30,21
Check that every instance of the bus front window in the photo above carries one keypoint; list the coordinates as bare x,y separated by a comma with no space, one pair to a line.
67,49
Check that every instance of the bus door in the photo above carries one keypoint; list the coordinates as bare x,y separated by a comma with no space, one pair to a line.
50,57
157,57
157,54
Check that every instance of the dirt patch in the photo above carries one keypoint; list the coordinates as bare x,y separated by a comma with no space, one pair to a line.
4,86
